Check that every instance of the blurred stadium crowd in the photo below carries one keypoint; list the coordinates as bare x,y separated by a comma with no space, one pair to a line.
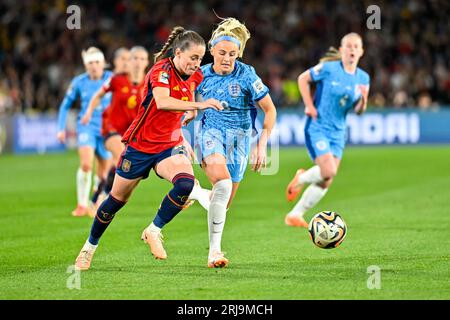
408,58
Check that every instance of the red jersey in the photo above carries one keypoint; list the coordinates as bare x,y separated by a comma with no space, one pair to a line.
126,98
153,130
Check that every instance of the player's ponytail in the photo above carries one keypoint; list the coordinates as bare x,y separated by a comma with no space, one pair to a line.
181,39
175,32
332,54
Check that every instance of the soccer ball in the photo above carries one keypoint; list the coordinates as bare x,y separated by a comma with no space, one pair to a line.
327,229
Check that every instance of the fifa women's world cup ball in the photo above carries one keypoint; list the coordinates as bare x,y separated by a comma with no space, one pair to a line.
327,229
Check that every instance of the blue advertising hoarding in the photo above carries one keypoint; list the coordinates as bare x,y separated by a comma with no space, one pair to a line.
380,127
35,134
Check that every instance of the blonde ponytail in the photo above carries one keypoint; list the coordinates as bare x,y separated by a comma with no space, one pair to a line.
331,55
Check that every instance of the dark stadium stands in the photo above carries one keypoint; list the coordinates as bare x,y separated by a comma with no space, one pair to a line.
408,58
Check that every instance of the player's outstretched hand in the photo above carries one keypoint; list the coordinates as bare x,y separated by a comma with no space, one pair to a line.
210,103
259,158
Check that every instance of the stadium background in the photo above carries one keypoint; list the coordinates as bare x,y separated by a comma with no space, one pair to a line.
408,60
407,57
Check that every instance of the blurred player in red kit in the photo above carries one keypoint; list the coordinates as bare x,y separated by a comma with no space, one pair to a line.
127,88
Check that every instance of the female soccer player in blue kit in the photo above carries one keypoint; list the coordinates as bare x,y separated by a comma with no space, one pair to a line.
225,135
340,86
90,141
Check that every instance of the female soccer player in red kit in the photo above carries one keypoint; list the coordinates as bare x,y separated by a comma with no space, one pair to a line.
154,140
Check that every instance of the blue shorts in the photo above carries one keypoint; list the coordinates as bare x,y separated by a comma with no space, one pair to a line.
137,164
319,143
234,145
86,137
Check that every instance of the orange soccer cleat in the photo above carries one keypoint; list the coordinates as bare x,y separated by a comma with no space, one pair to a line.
80,211
294,221
294,188
217,260
155,242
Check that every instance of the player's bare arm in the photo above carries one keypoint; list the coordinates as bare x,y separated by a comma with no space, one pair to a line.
95,101
165,102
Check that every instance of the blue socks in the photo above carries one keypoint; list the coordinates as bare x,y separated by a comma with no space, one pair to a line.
103,218
100,188
104,185
109,180
174,201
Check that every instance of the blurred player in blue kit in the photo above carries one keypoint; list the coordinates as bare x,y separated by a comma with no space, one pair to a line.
89,138
340,87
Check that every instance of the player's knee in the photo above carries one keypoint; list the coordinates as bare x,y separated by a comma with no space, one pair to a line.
86,167
222,190
328,173
183,184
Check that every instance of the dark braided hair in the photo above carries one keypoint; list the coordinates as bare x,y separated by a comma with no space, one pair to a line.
181,39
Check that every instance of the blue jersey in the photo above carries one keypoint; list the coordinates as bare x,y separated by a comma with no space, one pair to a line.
84,88
236,91
336,93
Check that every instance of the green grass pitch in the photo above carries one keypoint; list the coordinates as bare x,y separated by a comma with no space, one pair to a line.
395,201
